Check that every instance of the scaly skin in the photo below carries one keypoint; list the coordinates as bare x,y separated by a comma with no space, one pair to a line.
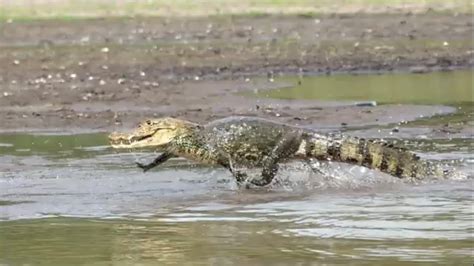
253,142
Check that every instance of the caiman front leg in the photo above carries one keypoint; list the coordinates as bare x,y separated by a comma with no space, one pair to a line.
158,160
286,147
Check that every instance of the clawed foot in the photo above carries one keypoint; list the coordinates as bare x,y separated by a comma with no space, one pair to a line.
249,185
144,167
243,181
245,185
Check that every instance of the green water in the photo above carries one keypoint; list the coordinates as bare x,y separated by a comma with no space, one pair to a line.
58,146
452,88
272,241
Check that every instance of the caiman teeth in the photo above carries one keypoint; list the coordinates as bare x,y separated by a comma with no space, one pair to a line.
125,142
122,141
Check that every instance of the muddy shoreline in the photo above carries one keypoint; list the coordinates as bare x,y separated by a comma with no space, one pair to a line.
102,74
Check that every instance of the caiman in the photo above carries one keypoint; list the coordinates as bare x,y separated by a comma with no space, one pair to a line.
250,142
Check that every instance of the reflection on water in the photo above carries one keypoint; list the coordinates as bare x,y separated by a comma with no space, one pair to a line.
421,224
70,199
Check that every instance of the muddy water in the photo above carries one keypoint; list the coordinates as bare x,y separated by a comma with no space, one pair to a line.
69,199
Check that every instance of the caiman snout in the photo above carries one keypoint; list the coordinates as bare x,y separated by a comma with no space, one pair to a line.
117,138
122,140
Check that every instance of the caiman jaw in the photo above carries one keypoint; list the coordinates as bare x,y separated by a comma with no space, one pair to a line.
151,133
121,140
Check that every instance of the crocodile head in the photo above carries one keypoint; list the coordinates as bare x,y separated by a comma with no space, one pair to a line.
151,133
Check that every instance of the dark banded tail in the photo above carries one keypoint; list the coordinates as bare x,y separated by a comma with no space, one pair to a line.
373,154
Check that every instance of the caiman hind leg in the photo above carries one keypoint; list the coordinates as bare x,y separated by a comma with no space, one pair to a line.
317,168
285,148
239,176
158,160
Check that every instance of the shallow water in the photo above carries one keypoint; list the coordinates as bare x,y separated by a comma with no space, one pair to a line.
71,199
452,88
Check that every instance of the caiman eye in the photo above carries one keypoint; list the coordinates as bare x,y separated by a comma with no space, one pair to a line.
148,122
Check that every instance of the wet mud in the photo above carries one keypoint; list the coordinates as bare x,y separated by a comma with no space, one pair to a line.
101,74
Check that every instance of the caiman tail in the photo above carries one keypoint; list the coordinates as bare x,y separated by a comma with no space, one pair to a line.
373,154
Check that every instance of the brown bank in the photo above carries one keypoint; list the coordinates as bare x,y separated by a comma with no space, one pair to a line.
103,73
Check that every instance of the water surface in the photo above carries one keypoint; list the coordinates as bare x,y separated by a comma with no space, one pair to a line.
451,88
71,199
